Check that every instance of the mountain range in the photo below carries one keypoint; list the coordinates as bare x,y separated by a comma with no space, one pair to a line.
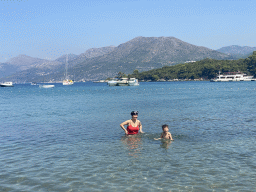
142,53
237,52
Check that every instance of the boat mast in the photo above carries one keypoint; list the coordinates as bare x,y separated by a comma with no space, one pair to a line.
66,67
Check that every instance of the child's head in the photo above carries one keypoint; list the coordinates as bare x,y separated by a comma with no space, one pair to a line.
165,128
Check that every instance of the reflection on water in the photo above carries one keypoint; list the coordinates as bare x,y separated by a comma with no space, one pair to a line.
165,143
133,144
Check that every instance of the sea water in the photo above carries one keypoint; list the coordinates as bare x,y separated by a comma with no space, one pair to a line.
68,138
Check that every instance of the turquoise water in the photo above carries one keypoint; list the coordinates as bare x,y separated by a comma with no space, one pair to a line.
68,138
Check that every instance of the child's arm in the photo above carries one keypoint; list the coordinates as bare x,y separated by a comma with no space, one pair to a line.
170,137
160,137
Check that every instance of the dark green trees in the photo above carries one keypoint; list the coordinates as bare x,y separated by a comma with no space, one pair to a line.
206,69
251,63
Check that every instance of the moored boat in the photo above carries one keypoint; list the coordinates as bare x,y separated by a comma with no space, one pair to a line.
133,82
112,83
124,82
67,82
46,86
100,81
6,84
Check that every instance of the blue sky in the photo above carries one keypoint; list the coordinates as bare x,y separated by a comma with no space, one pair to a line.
48,29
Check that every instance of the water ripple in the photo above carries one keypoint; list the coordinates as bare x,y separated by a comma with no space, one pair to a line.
69,139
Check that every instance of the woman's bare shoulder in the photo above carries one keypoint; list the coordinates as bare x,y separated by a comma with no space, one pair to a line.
126,122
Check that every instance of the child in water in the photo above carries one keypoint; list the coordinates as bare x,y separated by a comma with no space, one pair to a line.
166,134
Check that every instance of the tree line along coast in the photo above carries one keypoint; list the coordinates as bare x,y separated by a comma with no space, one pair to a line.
205,69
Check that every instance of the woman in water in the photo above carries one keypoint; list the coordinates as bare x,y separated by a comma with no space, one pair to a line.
133,125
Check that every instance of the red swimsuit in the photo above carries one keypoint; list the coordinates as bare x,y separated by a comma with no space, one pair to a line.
132,130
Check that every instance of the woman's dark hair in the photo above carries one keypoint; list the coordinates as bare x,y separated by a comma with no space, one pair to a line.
134,113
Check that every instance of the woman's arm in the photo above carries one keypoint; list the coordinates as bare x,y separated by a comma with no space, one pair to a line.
140,126
122,126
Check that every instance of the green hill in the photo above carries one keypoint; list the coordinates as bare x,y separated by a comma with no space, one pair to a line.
206,69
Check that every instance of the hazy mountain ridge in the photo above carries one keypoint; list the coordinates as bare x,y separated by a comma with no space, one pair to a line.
96,52
7,69
237,51
63,58
33,67
142,53
23,63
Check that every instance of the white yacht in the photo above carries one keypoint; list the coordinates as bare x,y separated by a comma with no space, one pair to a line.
6,84
46,86
112,83
133,82
124,82
232,76
100,81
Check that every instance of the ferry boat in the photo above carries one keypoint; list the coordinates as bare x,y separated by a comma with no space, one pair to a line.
232,76
6,84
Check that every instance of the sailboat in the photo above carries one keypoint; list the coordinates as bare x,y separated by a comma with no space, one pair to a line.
67,81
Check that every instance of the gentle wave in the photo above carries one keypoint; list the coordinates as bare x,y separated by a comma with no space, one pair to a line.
69,138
